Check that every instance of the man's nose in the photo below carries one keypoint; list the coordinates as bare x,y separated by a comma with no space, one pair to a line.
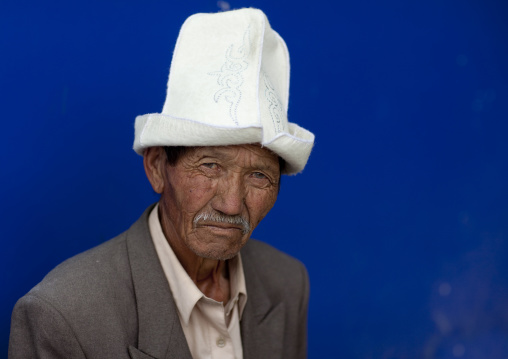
230,196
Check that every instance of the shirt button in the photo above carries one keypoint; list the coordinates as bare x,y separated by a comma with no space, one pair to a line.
220,342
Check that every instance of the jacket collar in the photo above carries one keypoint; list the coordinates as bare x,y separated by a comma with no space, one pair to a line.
159,325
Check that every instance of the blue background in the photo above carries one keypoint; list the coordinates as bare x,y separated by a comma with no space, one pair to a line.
401,214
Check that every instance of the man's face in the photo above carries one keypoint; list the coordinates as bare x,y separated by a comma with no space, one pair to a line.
215,196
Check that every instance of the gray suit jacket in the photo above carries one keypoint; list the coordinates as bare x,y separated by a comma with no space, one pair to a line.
114,301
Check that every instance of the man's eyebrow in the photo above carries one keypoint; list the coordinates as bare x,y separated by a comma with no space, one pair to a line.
211,153
263,166
220,154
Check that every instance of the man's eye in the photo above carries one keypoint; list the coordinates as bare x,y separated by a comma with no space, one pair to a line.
259,175
210,165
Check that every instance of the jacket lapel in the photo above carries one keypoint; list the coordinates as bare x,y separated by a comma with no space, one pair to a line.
262,324
160,334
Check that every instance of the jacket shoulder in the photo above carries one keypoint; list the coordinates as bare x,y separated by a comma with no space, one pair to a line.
93,272
276,269
265,254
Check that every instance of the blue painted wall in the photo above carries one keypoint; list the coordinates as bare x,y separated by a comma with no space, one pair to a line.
401,215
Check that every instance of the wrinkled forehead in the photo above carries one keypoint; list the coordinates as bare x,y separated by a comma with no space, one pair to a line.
248,153
253,151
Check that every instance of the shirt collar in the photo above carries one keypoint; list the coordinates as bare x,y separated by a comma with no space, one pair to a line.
185,291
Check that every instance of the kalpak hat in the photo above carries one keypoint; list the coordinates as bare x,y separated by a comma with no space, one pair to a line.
228,85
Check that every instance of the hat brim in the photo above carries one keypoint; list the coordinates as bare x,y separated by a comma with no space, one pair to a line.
157,129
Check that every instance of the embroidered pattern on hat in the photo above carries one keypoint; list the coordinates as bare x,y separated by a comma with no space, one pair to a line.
275,104
230,76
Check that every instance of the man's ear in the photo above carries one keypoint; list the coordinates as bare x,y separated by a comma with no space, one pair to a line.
154,160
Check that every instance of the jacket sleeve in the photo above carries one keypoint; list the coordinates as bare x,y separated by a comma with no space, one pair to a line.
303,314
38,330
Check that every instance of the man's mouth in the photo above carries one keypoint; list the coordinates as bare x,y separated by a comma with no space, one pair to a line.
221,226
222,222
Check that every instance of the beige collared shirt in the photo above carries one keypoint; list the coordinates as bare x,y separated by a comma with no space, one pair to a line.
211,328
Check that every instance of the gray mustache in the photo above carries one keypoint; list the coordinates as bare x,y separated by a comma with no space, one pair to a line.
223,218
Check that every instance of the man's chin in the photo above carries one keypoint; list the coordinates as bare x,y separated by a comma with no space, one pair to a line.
220,250
216,254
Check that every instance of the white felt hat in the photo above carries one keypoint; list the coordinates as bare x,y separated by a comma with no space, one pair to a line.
228,85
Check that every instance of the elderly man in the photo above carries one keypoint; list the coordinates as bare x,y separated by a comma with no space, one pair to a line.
185,281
